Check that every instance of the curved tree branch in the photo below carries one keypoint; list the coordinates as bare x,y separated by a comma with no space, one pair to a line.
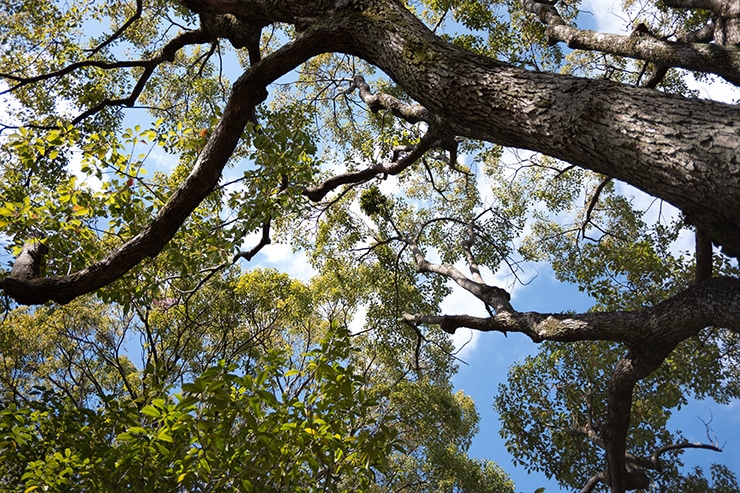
166,54
593,482
248,91
320,191
714,302
412,113
681,150
655,458
120,30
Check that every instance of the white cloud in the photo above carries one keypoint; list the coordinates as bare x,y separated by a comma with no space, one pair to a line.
358,320
715,90
608,18
280,256
461,302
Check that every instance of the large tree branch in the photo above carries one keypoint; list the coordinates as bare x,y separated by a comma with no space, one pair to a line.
493,296
713,302
651,335
248,91
702,57
681,150
684,151
412,113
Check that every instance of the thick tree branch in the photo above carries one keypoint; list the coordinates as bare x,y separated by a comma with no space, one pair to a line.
651,334
713,302
702,57
248,91
593,482
655,458
568,118
493,296
681,150
264,241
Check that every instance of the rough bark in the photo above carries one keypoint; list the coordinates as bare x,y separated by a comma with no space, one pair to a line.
642,45
684,151
715,302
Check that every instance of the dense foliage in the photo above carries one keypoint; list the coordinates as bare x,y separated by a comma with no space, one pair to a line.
152,150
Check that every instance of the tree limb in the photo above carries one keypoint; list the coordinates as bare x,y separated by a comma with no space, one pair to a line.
703,256
702,57
248,91
320,191
120,30
715,302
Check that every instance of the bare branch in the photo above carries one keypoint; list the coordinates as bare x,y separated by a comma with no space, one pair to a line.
264,241
655,458
593,482
713,302
592,203
412,113
492,296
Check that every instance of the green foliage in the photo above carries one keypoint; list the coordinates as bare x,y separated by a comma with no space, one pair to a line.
553,399
189,374
260,388
225,431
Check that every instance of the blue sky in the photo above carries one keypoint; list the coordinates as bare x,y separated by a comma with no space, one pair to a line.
493,354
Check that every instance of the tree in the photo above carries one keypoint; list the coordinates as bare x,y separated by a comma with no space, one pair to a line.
324,141
255,396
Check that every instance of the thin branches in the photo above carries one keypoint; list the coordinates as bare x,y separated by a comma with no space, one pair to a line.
166,54
120,30
426,143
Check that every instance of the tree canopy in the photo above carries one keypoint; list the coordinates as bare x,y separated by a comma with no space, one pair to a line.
152,148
